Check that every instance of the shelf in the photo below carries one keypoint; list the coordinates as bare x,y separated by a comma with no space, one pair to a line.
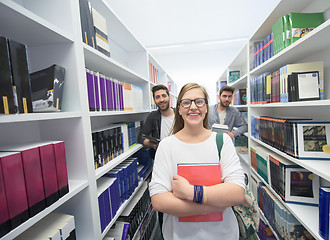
307,215
75,187
311,44
34,31
315,103
53,38
122,208
97,61
310,48
114,162
239,83
115,113
319,167
12,118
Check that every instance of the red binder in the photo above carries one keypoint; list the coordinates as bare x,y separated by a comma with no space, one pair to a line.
32,176
4,215
47,158
61,169
13,175
205,174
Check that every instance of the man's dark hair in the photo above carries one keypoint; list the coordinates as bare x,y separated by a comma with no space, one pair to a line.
226,88
159,87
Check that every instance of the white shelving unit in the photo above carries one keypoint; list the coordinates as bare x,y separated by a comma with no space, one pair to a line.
312,47
54,38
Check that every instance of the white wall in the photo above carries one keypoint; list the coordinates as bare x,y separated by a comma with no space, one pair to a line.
203,65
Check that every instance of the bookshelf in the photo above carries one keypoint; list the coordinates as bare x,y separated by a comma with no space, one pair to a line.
56,38
312,47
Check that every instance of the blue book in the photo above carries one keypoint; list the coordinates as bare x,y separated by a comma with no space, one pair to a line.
324,211
101,211
114,197
117,173
107,207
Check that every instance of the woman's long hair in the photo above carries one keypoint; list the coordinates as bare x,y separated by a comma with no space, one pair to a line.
178,120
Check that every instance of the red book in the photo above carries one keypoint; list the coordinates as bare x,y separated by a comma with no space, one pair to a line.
205,174
4,215
61,169
47,158
32,175
14,183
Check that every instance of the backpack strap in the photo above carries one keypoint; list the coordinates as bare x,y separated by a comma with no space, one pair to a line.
219,140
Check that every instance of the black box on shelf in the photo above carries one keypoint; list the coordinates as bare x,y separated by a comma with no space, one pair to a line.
47,89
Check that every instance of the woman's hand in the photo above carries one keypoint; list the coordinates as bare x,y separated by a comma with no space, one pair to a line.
182,188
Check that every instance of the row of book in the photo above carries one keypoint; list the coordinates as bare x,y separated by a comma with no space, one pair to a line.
263,51
148,226
299,138
137,212
122,230
285,31
111,141
108,94
286,178
282,221
293,26
291,182
153,73
290,83
240,97
55,226
114,188
94,27
24,92
32,177
141,218
145,163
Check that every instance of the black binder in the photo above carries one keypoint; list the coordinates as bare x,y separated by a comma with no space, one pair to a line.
8,98
20,74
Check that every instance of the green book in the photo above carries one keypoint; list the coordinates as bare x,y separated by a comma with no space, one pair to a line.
278,39
233,76
303,23
286,31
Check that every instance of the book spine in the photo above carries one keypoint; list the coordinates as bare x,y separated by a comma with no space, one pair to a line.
324,211
21,77
90,90
4,216
13,175
61,168
7,101
96,91
48,165
33,180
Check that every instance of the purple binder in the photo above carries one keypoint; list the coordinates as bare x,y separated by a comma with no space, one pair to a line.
103,93
96,91
90,90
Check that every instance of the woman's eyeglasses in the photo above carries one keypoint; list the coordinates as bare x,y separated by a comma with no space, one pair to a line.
199,102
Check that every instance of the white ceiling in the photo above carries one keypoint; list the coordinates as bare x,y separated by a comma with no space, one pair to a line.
194,41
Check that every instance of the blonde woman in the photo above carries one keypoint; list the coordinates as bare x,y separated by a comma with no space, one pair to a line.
171,194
